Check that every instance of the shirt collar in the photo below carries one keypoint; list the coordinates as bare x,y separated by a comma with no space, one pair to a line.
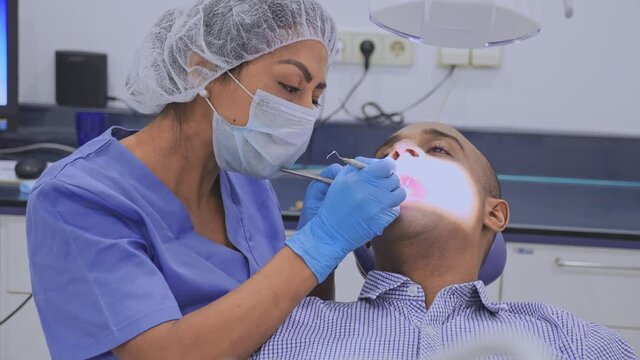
474,293
381,285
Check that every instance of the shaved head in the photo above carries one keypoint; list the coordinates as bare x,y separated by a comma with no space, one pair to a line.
453,209
491,184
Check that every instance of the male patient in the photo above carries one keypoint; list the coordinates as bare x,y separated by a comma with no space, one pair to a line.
424,297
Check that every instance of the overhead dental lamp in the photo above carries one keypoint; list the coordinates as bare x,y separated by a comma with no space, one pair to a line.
461,23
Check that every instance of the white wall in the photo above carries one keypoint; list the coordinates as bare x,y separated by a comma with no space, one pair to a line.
578,76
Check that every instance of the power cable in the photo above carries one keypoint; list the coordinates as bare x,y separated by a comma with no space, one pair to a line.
343,105
14,312
435,89
367,48
374,114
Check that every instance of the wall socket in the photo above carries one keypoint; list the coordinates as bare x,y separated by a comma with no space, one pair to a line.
477,58
390,50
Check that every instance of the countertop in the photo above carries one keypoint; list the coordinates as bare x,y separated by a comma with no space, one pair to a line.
12,201
536,203
546,206
585,186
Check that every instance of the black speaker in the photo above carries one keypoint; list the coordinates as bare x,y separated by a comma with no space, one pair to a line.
81,79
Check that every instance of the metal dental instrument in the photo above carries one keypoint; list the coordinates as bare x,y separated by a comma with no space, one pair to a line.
307,175
353,162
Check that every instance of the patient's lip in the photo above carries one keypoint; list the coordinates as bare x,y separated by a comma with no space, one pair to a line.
415,189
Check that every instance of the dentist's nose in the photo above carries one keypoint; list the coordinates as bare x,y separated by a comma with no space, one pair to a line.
404,149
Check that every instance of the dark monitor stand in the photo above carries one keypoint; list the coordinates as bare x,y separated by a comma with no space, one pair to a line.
8,124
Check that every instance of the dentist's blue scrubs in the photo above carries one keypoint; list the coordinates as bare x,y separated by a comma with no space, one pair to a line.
113,252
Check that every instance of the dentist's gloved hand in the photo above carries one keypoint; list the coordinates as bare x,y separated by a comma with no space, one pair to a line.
315,195
358,207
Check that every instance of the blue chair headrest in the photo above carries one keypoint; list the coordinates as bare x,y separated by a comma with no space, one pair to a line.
490,271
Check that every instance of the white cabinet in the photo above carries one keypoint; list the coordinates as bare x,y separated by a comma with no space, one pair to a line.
349,281
597,284
21,337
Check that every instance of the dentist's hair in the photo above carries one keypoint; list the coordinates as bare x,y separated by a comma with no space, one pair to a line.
189,48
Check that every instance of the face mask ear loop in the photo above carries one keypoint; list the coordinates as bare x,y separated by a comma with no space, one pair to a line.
205,95
240,84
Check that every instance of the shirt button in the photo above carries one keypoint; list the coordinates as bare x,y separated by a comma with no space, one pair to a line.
413,290
430,330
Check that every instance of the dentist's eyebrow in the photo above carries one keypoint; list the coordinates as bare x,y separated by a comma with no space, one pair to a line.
302,67
442,134
304,70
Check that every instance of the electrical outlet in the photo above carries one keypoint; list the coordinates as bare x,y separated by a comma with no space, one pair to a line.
343,46
489,57
390,50
457,57
377,57
397,51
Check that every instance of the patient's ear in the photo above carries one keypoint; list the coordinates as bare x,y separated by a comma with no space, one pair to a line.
496,214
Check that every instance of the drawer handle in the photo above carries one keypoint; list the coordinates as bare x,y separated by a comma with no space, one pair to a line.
589,265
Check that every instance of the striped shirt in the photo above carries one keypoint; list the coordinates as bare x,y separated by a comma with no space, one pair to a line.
390,321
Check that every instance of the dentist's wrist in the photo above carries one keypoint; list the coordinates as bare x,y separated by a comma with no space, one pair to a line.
317,248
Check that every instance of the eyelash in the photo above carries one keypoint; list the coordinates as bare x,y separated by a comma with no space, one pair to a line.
294,90
442,150
289,89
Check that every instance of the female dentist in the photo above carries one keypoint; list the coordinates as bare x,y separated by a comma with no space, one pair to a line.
167,243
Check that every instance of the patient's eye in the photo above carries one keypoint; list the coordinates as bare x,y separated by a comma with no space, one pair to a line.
438,150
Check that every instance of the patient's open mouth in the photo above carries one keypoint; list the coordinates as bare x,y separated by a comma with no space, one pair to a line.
415,190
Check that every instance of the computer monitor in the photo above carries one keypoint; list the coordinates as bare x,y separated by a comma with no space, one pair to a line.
8,62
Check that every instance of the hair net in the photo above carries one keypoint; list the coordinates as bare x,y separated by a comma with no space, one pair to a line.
187,49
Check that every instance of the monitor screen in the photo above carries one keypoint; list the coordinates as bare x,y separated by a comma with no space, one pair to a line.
8,63
4,66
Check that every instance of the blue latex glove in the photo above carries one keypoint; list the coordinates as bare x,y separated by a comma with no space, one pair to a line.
315,195
358,207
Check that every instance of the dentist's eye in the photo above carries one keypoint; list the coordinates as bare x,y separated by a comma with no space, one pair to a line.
316,103
438,150
289,89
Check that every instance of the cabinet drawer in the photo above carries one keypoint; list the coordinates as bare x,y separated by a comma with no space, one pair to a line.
632,337
599,285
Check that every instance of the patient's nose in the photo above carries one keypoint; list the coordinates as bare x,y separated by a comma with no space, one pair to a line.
404,149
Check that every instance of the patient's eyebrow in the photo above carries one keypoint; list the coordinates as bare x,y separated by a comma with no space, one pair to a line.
442,134
390,141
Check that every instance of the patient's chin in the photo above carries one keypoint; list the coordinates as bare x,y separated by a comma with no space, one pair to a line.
417,220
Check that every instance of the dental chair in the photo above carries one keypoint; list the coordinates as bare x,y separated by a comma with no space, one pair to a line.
490,271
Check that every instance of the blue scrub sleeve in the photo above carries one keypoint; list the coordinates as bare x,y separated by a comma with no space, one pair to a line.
94,281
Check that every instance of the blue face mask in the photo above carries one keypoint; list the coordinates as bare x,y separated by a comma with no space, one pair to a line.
276,135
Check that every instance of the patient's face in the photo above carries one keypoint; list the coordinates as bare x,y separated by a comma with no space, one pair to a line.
441,171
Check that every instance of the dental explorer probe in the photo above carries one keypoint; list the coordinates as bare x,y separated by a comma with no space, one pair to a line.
308,175
353,162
